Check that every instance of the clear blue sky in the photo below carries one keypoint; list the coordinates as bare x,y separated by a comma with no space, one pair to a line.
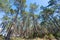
38,2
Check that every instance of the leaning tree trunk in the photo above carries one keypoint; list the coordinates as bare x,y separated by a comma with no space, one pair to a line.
8,34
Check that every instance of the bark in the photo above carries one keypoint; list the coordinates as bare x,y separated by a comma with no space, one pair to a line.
8,34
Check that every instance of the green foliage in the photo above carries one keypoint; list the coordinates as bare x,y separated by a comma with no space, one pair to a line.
33,7
48,11
5,5
5,18
58,34
1,37
51,36
28,24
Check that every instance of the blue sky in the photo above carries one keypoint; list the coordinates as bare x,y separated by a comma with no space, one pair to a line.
38,2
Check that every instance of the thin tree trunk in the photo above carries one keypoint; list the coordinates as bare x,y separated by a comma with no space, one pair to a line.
8,34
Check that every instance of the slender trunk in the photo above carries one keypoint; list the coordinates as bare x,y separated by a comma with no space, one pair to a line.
9,29
8,34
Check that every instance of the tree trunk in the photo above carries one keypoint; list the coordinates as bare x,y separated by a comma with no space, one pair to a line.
8,34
